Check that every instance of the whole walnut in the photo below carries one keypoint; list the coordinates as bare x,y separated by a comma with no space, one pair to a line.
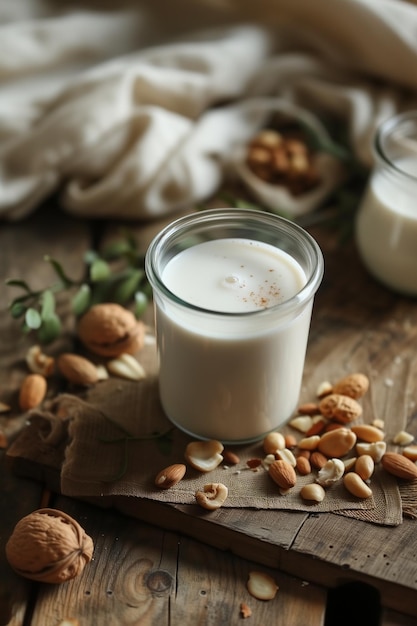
109,330
49,546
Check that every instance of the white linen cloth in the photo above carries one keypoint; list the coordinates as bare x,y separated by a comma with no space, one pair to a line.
135,112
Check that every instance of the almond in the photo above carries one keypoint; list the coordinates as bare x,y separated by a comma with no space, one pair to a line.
230,457
283,474
308,408
368,433
170,476
356,486
318,460
399,465
341,408
77,370
303,466
354,385
337,443
32,391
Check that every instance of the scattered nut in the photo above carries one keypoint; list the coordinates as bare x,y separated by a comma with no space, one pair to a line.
354,385
39,363
402,438
341,408
126,366
303,466
349,463
266,461
262,586
324,389
290,441
170,476
230,458
286,455
368,433
364,466
213,496
317,427
410,452
308,408
356,486
318,460
32,391
331,472
272,442
337,443
283,474
204,456
77,369
375,450
109,330
309,443
399,465
245,610
49,546
5,408
313,492
301,423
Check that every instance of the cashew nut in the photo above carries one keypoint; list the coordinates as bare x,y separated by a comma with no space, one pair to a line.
213,496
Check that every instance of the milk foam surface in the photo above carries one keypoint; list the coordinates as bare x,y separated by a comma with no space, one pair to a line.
233,275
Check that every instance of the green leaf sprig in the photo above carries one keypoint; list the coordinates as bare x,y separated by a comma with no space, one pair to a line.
114,275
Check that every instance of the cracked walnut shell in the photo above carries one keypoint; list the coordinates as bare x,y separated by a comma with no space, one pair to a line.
49,546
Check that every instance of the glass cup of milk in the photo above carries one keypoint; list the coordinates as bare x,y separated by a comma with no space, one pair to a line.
386,221
233,295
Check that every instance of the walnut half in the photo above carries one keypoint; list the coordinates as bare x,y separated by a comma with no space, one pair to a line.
49,546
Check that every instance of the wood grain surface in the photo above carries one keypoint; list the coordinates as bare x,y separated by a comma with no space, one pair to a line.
168,568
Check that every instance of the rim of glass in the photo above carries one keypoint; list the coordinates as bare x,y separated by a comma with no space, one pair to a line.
384,130
223,215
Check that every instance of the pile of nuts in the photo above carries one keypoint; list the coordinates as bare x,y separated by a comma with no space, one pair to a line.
333,448
109,332
278,159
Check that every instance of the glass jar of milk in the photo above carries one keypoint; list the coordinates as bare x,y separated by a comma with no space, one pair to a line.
386,222
233,294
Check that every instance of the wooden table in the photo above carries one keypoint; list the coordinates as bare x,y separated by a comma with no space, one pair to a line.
168,570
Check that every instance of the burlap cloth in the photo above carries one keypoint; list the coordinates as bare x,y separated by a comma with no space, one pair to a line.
120,438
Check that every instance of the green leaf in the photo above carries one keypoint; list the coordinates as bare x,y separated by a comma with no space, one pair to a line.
99,270
126,289
141,303
90,256
12,282
48,304
33,319
116,249
81,300
50,329
17,309
59,270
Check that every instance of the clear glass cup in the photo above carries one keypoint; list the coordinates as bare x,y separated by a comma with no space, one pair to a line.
232,376
386,221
